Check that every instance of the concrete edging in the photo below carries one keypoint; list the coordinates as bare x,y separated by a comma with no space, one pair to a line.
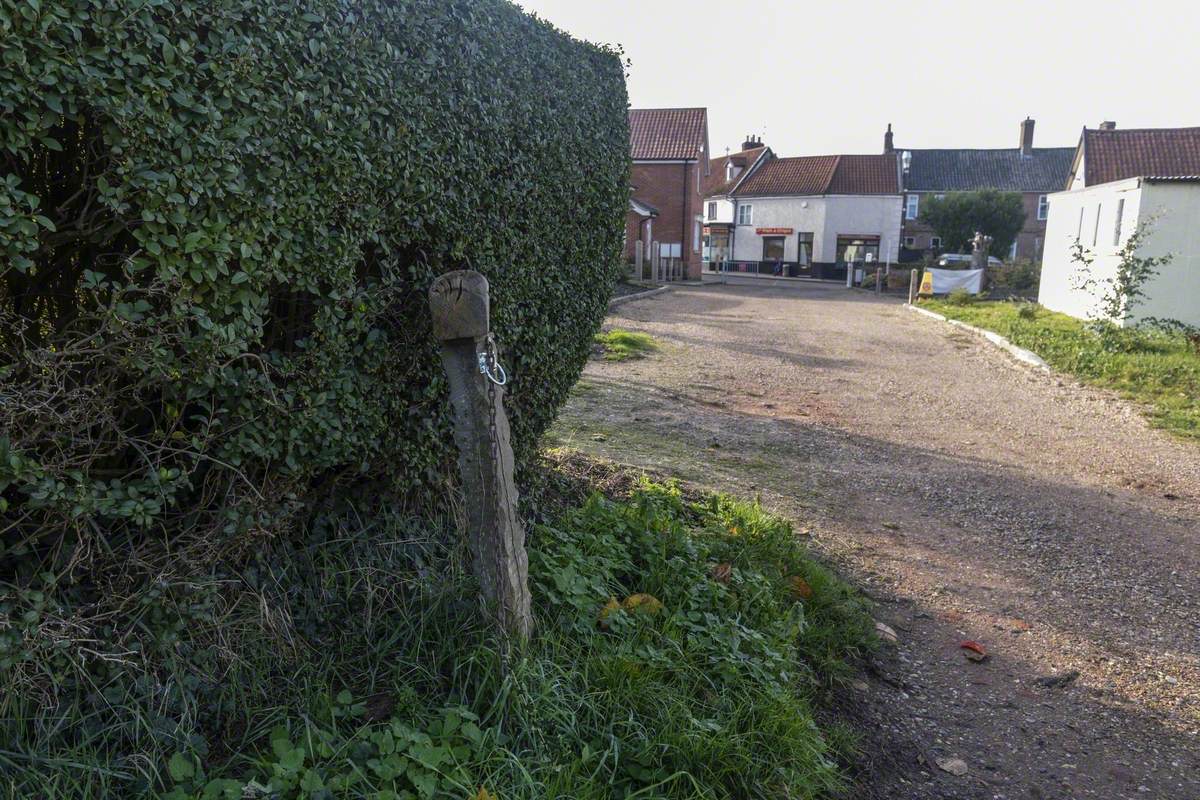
1019,353
616,301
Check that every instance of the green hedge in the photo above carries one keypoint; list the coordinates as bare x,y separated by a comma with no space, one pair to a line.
219,220
218,223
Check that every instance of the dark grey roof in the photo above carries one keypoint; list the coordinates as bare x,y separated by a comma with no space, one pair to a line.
964,170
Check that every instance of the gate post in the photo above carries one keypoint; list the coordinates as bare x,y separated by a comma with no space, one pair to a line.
459,303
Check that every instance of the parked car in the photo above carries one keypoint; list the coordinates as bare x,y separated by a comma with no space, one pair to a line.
959,261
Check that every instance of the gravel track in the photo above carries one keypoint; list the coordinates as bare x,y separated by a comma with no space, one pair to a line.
973,498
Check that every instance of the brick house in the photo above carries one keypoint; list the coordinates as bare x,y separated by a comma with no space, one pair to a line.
1035,172
669,148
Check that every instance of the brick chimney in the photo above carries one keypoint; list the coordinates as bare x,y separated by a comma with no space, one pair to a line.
888,147
1027,137
752,142
1108,125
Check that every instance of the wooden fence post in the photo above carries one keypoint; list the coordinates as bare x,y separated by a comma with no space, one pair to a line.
460,306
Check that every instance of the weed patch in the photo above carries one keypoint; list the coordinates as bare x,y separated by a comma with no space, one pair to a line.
621,345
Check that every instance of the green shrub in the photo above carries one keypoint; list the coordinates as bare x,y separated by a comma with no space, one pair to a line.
220,221
961,297
1027,310
621,345
218,224
1021,276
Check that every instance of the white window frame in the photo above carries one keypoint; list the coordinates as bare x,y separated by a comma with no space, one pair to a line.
712,209
910,242
935,242
1043,209
745,214
912,206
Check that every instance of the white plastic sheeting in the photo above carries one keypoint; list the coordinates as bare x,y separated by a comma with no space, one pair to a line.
947,280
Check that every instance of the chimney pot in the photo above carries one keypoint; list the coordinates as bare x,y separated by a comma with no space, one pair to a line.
1027,137
1108,125
888,147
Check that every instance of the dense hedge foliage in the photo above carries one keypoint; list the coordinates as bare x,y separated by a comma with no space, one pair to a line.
218,222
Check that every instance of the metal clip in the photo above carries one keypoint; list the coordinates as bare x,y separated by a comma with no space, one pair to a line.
489,355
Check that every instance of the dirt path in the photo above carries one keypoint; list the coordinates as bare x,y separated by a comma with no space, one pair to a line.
973,498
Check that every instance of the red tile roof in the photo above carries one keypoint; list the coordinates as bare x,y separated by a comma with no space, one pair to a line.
715,182
865,175
1113,155
668,134
813,175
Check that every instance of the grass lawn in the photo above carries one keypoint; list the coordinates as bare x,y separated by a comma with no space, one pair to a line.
1159,370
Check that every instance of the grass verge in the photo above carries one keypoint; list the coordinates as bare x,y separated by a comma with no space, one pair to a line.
621,345
1158,369
680,644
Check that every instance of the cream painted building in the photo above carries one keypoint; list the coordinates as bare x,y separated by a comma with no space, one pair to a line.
1119,180
805,217
1101,218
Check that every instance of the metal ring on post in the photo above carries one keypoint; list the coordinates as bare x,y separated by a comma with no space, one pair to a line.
487,371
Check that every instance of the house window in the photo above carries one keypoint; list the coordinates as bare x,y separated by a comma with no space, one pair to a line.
712,210
910,242
745,215
911,206
855,249
1117,224
1043,207
939,197
772,248
1096,227
935,242
804,244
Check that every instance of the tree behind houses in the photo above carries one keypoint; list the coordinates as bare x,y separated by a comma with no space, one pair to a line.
957,216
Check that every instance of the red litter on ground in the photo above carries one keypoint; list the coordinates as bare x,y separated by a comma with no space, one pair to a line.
973,650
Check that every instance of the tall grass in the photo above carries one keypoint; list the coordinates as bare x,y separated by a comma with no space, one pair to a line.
354,665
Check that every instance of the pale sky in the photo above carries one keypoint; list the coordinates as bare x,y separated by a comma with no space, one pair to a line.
823,76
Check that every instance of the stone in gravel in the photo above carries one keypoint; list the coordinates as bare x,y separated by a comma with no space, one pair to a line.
955,766
885,632
1060,680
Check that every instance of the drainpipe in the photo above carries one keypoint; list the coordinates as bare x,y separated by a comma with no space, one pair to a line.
685,249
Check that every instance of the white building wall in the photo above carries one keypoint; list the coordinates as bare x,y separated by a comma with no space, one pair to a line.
871,215
723,207
826,217
1172,210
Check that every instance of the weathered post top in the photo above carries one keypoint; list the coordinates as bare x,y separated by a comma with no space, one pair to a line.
459,303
